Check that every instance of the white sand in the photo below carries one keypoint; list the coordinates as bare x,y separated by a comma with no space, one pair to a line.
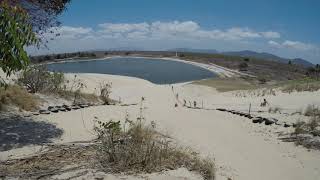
242,150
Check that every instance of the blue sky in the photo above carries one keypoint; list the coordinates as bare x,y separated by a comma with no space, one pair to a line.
287,28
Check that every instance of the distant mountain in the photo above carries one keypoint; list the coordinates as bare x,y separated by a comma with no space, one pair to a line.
268,56
208,51
126,49
302,62
247,53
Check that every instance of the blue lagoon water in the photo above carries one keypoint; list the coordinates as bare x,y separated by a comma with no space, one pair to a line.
157,71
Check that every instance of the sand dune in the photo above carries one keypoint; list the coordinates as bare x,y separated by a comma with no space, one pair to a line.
242,150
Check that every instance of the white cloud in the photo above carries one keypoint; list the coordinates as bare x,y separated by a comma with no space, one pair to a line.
180,30
297,45
166,35
271,34
161,31
123,28
274,44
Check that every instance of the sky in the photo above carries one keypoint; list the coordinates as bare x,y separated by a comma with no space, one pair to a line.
287,28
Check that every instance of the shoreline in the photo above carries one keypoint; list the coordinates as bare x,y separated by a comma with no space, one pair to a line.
221,72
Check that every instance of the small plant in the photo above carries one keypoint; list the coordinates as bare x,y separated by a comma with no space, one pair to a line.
136,147
274,110
38,79
142,149
243,66
262,80
16,95
312,110
105,91
246,59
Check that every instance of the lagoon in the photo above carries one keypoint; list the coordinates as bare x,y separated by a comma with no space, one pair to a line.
158,71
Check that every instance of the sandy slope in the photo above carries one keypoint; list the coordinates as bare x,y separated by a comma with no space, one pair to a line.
242,150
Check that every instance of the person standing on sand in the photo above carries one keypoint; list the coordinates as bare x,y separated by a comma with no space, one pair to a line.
194,104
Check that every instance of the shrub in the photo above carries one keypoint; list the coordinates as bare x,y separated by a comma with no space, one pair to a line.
38,79
105,90
16,95
274,110
310,85
141,148
262,80
312,110
243,66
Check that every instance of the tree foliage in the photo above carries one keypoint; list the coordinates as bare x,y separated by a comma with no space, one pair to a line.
23,23
15,34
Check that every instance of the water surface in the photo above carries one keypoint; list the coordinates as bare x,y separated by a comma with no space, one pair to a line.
157,71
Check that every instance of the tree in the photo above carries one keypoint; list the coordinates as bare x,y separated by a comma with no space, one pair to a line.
15,34
23,23
246,59
243,66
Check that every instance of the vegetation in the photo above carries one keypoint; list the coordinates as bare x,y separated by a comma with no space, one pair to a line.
105,91
140,148
228,84
314,72
37,79
17,96
305,132
312,110
20,22
274,110
243,66
305,84
15,33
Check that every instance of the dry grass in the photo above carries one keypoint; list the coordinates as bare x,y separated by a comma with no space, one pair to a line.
78,97
17,96
55,159
228,84
312,110
310,85
307,134
141,149
274,110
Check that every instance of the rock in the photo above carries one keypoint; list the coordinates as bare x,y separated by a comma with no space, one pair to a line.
35,113
270,121
27,115
62,109
66,107
84,105
257,120
50,107
75,107
241,114
44,111
54,110
286,125
221,109
234,112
